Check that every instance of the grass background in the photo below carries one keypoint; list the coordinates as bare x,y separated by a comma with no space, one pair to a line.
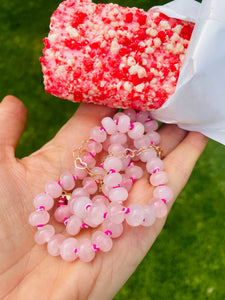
188,259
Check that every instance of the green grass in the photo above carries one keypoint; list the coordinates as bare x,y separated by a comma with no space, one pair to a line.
188,259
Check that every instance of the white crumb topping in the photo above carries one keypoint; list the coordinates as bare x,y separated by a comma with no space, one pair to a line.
149,50
177,29
127,86
152,32
131,61
164,25
72,32
140,87
112,33
115,47
157,42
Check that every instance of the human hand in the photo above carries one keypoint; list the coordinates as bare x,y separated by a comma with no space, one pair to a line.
27,270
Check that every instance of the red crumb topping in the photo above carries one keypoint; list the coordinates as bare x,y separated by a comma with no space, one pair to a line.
112,55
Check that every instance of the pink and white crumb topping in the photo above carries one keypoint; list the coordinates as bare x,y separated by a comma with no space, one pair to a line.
112,55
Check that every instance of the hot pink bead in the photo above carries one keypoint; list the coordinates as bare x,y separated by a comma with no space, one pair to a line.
118,194
109,125
102,241
43,200
53,189
148,155
79,206
118,137
123,124
143,142
163,192
158,178
68,249
44,234
134,172
142,116
131,113
61,213
154,137
115,230
73,225
80,192
79,173
93,147
137,131
98,134
55,243
113,179
85,251
159,207
39,218
115,213
88,159
150,125
90,185
67,181
136,215
113,163
155,164
149,216
127,182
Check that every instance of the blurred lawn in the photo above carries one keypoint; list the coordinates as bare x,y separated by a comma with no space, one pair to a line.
188,259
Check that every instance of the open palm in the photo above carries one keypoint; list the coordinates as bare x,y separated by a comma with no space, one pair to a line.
27,271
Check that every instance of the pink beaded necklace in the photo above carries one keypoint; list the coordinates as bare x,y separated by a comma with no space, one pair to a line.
94,191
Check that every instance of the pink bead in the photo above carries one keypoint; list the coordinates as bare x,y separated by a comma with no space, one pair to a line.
143,142
149,216
79,173
73,225
98,134
118,194
68,249
123,123
134,172
78,192
85,251
163,192
102,241
109,125
126,182
125,163
99,172
117,116
106,145
118,137
44,234
39,218
137,131
53,189
115,230
159,207
113,163
131,113
136,215
142,116
155,164
61,213
71,203
67,181
88,159
154,137
54,244
95,214
113,179
43,200
90,185
93,147
79,207
100,199
105,190
117,149
115,213
158,178
147,155
150,125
